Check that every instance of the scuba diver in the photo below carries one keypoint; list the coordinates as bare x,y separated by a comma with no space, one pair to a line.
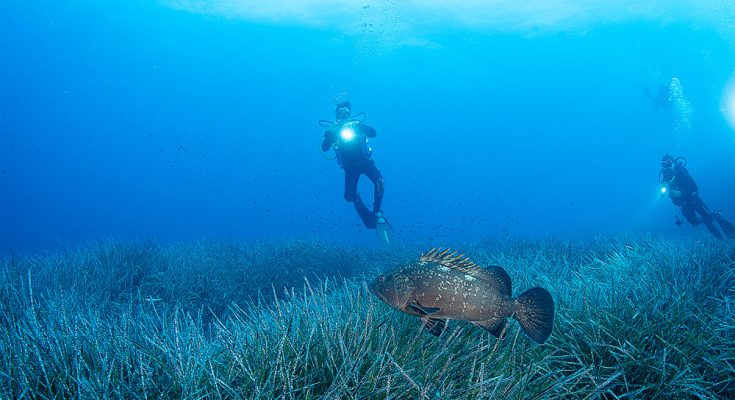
683,191
349,136
662,99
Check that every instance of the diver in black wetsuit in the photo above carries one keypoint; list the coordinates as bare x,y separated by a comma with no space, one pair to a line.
662,99
684,193
350,139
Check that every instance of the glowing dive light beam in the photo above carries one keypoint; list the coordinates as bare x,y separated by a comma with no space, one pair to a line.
347,134
663,190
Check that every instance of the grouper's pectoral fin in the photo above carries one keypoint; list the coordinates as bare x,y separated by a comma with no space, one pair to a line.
494,326
423,310
435,326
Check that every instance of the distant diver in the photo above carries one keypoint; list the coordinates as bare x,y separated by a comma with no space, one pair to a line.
682,189
662,100
671,98
349,136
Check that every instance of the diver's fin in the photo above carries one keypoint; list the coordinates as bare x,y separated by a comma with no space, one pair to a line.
494,326
367,216
384,230
435,326
424,310
725,225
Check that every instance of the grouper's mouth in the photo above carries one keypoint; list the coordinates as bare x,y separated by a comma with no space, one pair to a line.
373,289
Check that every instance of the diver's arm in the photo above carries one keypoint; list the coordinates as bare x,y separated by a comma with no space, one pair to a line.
328,140
677,221
368,130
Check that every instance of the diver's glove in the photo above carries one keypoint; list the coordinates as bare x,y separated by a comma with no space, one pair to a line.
674,194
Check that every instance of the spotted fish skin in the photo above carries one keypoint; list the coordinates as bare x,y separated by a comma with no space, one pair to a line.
442,286
456,294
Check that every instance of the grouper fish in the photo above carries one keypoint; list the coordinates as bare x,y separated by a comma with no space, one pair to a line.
442,285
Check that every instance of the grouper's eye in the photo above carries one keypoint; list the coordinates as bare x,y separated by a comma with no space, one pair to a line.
381,278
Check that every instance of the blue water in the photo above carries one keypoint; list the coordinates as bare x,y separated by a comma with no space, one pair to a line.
135,120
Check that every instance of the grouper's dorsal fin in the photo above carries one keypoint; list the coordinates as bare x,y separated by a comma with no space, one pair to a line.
495,276
447,259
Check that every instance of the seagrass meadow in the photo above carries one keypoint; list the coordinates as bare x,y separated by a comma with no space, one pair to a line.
637,317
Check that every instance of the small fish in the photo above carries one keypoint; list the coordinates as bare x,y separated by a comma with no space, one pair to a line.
441,286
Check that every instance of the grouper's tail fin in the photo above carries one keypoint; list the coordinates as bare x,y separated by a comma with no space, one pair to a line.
535,312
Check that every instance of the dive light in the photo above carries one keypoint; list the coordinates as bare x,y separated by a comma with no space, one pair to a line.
347,133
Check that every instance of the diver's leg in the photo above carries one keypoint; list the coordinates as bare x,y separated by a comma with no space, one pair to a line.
713,230
687,210
707,218
351,178
372,172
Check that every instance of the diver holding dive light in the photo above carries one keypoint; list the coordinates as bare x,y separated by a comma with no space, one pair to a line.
349,136
682,189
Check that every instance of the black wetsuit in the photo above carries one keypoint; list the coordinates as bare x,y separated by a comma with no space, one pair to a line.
662,99
355,157
691,204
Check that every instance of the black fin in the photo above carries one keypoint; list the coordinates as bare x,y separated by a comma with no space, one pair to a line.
435,326
725,225
385,233
494,326
424,310
535,312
